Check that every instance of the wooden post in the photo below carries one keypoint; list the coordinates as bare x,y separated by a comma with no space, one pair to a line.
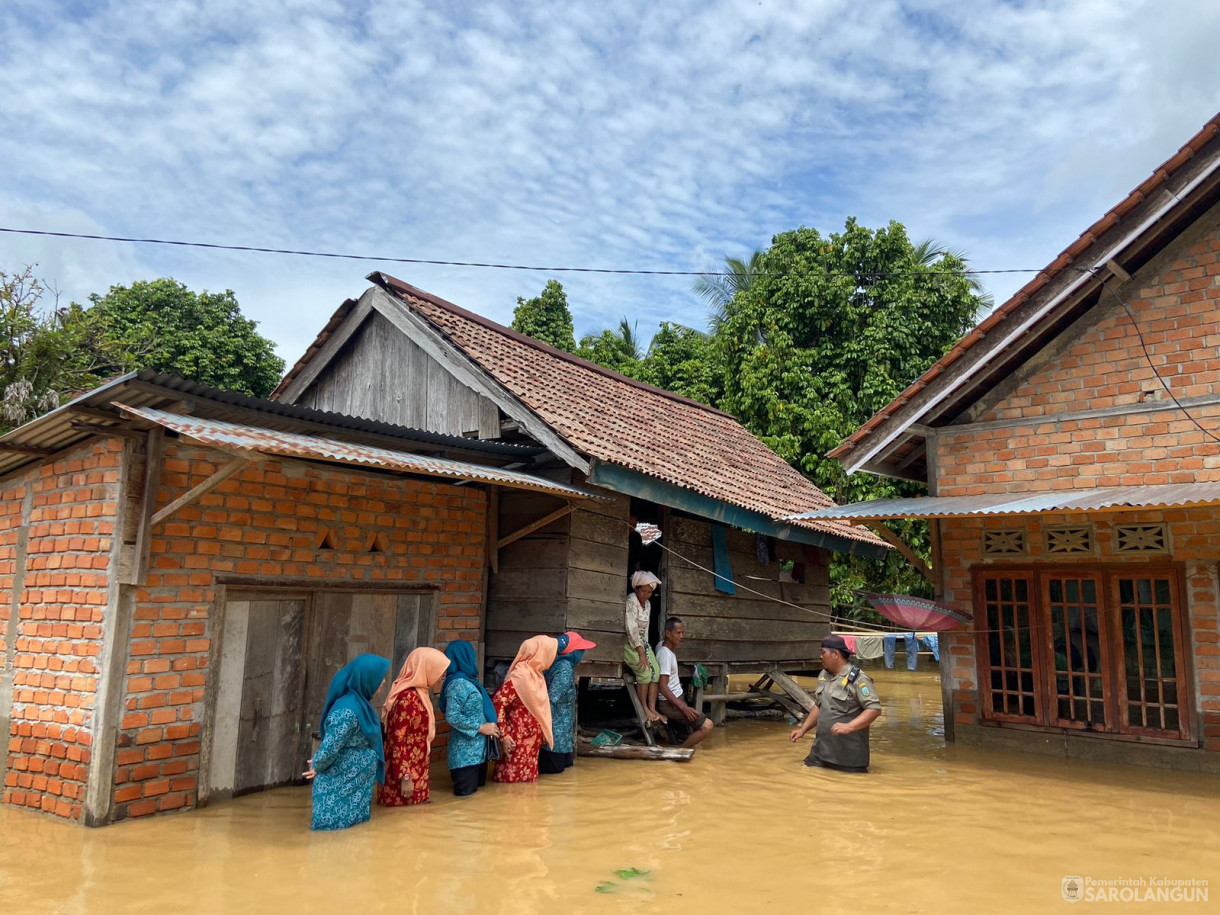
629,682
138,572
900,545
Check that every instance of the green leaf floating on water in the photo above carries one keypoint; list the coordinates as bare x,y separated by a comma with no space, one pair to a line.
606,887
629,872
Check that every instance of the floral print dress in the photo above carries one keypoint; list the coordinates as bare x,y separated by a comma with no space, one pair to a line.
516,722
406,751
346,764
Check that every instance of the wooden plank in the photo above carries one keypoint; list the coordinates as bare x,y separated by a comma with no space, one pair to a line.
792,688
599,557
606,587
527,616
533,526
526,583
234,466
641,717
712,651
587,525
327,352
727,606
537,552
153,450
737,629
629,751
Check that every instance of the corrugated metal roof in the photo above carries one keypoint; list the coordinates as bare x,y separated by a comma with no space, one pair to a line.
1108,498
290,444
61,428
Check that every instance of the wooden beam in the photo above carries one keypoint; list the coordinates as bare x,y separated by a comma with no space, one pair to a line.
627,751
327,351
234,466
493,528
148,503
25,449
533,526
900,545
629,684
792,688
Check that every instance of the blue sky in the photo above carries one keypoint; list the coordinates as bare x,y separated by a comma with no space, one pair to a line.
639,135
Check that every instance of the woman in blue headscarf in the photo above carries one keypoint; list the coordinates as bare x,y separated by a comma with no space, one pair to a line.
351,758
471,717
561,687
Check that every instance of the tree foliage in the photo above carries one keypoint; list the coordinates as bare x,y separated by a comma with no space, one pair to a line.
546,317
685,361
831,331
617,349
164,326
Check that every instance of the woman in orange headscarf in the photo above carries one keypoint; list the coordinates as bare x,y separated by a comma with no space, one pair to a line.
523,710
410,725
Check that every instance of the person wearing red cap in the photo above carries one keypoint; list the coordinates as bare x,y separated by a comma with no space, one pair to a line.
844,705
561,687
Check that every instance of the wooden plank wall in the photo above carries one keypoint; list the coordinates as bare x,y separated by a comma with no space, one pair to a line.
382,375
744,627
528,596
597,576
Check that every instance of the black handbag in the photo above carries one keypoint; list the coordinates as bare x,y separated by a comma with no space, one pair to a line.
493,749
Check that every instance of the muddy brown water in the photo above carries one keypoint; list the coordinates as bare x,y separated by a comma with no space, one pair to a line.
743,827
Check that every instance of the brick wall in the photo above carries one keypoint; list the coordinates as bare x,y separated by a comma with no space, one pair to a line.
1177,308
1020,445
265,523
52,656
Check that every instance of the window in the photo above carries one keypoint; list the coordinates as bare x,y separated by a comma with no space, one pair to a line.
1095,649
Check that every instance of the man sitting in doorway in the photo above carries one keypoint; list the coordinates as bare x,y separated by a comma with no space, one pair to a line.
672,705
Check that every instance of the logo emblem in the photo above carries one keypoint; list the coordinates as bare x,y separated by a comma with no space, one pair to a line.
1072,888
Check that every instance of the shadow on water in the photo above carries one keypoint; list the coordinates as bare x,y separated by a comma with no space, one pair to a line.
742,827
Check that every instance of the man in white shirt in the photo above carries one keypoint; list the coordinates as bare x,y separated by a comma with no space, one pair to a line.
672,705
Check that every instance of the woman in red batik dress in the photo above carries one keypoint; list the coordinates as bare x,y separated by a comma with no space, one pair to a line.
523,710
410,725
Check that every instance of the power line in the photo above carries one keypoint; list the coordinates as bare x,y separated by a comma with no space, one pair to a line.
485,265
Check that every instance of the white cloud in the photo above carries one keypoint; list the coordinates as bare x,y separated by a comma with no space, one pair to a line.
630,134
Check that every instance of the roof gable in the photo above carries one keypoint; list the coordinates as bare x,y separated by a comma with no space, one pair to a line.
1127,237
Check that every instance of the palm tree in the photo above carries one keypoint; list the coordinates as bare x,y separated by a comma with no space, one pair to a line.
929,251
718,289
631,343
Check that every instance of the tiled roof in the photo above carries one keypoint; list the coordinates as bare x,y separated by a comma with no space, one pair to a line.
1091,236
621,421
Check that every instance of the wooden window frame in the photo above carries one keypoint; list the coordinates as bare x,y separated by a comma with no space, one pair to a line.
1038,576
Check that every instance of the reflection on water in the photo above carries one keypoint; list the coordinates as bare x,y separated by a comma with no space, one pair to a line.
742,827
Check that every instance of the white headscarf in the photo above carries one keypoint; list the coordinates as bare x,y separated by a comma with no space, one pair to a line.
644,578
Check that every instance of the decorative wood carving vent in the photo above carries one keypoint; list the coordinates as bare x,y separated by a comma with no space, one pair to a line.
1075,541
1141,538
1004,543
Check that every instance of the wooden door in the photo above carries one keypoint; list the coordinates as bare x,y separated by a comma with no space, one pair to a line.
345,624
257,740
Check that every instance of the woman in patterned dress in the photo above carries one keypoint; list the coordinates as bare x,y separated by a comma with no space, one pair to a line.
523,711
350,759
561,688
471,716
410,726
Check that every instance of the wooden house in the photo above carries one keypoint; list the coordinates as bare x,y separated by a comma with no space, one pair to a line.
184,569
1071,446
401,355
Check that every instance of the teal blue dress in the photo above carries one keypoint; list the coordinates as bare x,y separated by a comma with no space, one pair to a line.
464,712
346,764
561,688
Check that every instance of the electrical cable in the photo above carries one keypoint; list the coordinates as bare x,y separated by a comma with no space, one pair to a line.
476,264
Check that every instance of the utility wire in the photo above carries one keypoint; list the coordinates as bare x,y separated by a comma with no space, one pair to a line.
477,264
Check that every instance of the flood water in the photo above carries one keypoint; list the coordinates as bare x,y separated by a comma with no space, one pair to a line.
742,827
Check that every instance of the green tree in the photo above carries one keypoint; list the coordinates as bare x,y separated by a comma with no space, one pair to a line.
685,361
618,350
46,354
831,330
719,290
546,317
164,326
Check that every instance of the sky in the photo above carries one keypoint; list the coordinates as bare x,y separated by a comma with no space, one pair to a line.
626,135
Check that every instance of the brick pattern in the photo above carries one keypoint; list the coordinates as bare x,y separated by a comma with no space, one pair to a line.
59,633
1177,313
265,523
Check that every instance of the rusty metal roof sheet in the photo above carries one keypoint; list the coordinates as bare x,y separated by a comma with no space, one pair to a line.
1108,498
218,433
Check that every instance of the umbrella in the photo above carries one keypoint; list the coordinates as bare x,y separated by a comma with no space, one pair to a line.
916,613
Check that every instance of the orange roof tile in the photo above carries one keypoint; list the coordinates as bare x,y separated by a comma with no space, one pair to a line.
621,421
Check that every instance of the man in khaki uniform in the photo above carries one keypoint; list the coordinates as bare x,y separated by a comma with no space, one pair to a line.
844,705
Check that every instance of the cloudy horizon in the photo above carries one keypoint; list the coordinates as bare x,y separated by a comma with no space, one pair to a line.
633,136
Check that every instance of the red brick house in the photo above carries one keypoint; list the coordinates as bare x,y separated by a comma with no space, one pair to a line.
1071,448
183,569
